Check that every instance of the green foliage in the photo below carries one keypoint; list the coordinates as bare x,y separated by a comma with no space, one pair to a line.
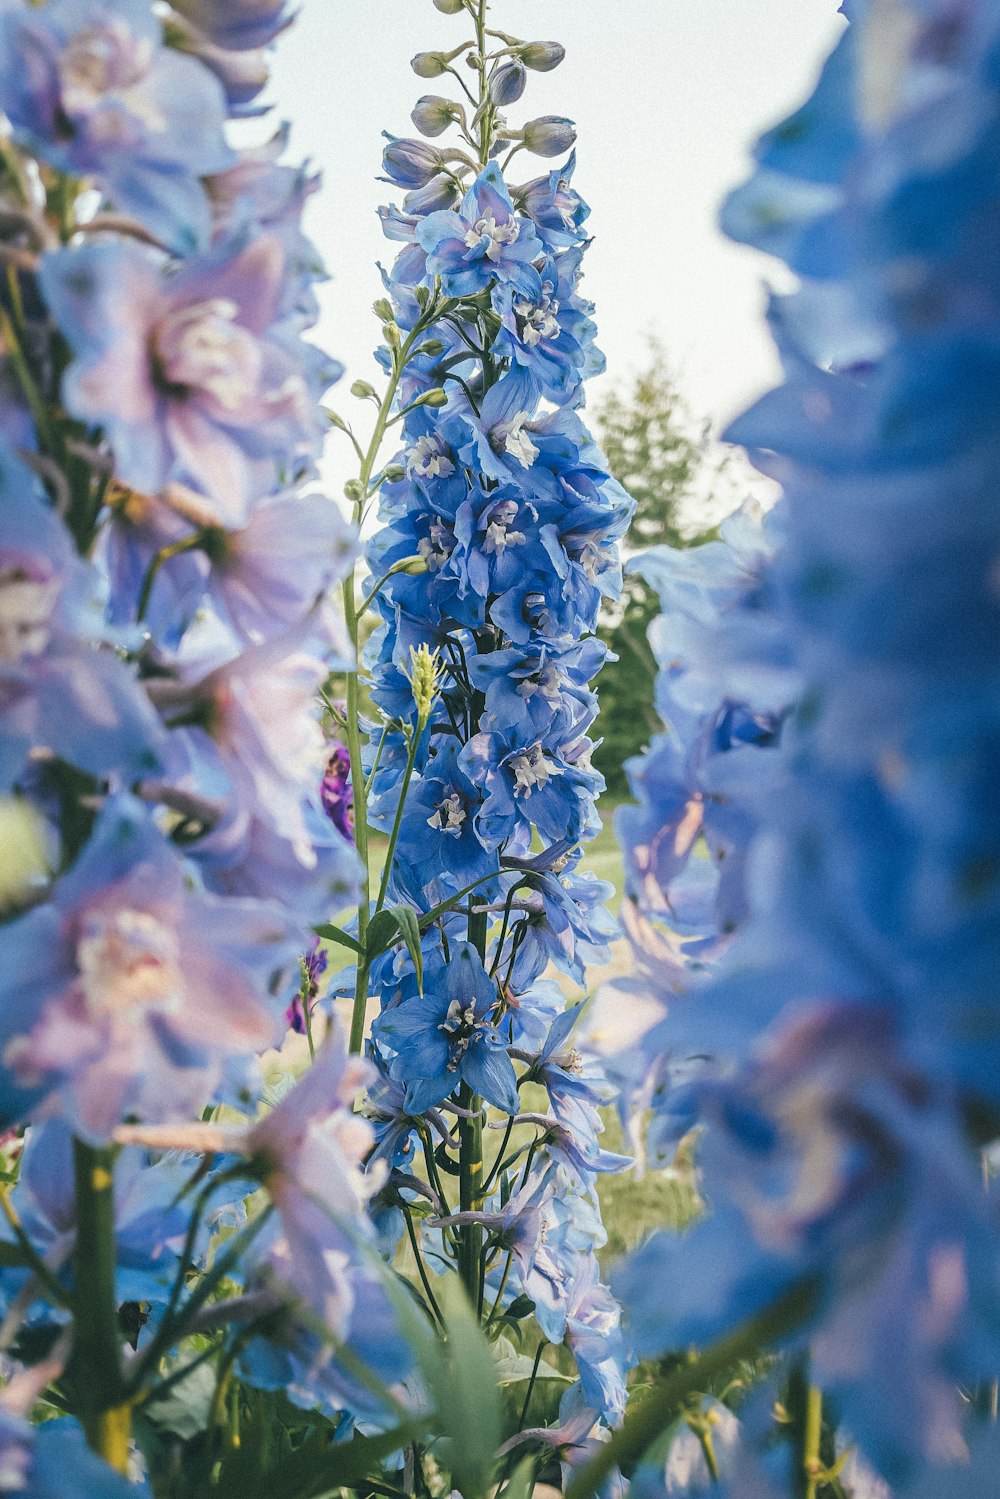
662,458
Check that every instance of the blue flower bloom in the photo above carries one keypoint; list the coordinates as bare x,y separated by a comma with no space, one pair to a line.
484,240
446,1037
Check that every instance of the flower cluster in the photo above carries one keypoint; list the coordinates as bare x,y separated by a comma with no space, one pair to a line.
165,566
817,904
497,541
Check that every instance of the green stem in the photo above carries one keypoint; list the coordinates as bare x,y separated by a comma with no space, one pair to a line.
531,1385
425,1282
397,821
470,1158
811,1464
648,1418
97,1336
353,727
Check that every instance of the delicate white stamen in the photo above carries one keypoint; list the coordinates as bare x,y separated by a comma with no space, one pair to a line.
498,535
510,437
495,235
548,682
449,816
129,963
538,321
436,548
202,348
26,605
428,459
460,1025
531,769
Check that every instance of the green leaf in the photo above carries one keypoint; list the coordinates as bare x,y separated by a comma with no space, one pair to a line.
382,930
334,934
184,1409
409,926
521,1482
460,1374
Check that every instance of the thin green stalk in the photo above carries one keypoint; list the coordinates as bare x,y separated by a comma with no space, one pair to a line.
98,1383
531,1385
811,1463
397,821
649,1417
418,1257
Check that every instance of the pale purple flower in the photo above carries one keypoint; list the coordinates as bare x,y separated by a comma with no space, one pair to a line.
91,87
189,373
129,992
336,791
237,24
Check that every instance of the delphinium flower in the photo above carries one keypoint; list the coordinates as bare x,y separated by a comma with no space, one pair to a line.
496,544
850,1020
166,562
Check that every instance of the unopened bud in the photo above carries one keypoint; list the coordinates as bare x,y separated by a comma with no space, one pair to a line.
29,853
354,491
433,347
362,390
335,420
425,680
383,310
391,335
508,82
435,397
432,114
549,135
449,7
429,64
411,566
393,472
410,163
542,57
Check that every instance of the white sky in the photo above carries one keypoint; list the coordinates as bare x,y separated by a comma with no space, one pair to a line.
668,96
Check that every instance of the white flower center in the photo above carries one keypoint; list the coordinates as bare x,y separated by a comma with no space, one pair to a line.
537,322
202,348
492,237
460,1025
531,769
428,459
129,963
498,535
547,682
511,438
102,60
449,816
26,605
437,547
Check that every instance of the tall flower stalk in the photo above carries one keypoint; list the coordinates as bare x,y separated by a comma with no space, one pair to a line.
496,540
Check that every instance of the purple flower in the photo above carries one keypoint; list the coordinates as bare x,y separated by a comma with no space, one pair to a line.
336,792
237,24
129,992
58,690
188,373
90,86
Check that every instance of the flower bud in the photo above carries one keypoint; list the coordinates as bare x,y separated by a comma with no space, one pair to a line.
354,491
441,192
429,64
549,135
393,472
410,163
433,347
449,7
335,419
435,397
425,681
383,310
507,82
432,115
29,853
362,390
414,566
542,57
